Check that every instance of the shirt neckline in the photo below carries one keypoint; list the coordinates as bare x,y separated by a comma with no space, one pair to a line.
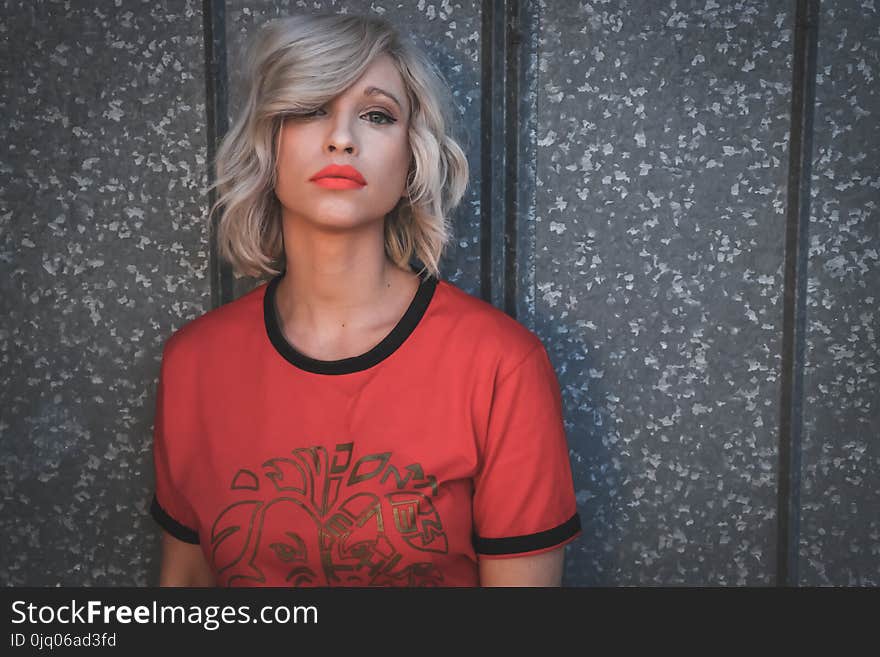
389,344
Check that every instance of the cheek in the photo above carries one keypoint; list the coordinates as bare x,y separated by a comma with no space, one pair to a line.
283,173
401,158
290,169
289,143
288,183
284,154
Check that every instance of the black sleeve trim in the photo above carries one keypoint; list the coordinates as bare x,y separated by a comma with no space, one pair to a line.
529,542
170,525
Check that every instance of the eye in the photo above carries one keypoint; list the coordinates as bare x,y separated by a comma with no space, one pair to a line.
386,119
299,115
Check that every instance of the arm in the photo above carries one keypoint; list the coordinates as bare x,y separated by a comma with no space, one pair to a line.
544,569
183,564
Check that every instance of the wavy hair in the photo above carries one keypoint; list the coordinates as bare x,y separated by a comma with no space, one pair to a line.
296,64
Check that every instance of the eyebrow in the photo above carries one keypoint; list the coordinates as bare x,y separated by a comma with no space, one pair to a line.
373,91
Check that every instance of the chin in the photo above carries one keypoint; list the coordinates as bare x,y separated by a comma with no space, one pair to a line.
349,217
344,222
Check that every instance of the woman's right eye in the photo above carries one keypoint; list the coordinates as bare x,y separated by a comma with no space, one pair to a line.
301,115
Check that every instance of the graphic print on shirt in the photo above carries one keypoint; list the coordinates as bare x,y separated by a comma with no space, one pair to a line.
321,520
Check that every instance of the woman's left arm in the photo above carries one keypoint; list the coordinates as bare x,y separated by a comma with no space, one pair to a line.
544,569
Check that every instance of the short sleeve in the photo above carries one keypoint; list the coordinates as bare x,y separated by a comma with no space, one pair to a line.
168,507
524,500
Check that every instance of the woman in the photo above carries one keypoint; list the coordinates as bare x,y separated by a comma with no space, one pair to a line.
353,421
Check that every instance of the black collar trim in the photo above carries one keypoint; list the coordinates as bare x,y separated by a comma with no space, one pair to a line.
377,354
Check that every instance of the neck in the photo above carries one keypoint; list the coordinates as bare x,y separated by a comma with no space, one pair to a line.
335,280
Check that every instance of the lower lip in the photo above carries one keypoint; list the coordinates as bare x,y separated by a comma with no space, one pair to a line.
338,183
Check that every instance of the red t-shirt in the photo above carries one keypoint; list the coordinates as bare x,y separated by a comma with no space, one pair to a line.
441,445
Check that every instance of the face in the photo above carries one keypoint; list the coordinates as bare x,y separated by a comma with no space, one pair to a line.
365,131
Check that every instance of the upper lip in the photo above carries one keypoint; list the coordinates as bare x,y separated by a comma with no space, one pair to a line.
340,171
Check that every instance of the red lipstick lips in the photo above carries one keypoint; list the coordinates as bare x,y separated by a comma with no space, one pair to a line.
339,177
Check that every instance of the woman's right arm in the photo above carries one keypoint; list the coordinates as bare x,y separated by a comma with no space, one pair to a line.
183,564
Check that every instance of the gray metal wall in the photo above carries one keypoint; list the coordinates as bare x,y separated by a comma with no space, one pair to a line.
102,255
640,173
839,541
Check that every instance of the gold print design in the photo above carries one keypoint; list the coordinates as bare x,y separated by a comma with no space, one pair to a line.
364,539
418,522
286,475
346,449
292,551
228,542
245,479
376,461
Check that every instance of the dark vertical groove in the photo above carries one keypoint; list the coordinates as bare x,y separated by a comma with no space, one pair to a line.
795,290
216,110
487,55
511,161
499,153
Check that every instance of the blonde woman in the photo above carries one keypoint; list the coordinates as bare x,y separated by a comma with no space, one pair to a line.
353,421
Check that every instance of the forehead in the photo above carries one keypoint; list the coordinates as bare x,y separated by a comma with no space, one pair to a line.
382,74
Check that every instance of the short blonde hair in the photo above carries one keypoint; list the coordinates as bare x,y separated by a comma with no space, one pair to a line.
296,64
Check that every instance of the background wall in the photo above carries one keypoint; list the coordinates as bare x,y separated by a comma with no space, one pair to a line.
103,253
679,198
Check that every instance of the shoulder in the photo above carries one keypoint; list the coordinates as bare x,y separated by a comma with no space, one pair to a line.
213,332
487,333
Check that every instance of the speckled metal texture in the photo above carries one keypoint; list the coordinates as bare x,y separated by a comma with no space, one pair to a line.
662,164
840,498
450,34
103,249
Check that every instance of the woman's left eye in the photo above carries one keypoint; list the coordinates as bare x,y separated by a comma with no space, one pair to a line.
386,118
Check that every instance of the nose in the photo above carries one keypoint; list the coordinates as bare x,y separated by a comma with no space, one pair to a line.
341,137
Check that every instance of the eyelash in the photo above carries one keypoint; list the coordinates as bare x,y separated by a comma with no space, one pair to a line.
389,119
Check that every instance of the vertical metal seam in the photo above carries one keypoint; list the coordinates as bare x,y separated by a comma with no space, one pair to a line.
216,122
795,262
499,154
511,160
487,14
